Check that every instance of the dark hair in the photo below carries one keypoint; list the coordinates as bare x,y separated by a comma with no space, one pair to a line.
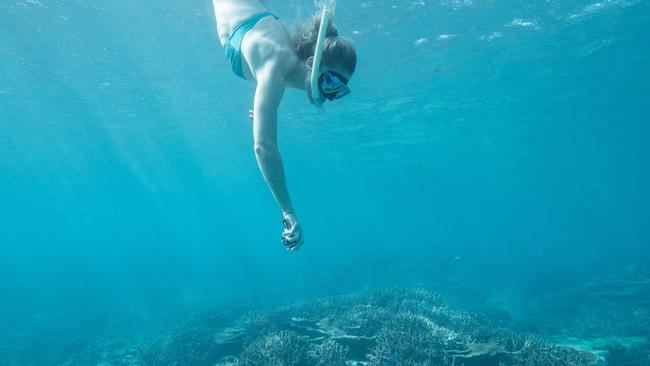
338,51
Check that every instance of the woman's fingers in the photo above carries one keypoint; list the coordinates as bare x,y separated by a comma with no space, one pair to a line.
291,235
293,246
292,239
291,229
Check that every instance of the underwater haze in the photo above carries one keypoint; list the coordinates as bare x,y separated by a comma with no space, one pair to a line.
493,152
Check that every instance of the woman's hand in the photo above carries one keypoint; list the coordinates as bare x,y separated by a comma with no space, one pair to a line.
292,234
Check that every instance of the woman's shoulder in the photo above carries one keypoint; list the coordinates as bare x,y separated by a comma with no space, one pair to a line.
272,57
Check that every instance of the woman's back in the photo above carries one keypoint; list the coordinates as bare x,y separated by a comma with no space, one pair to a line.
231,13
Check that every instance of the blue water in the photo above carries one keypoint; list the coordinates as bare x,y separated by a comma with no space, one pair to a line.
497,146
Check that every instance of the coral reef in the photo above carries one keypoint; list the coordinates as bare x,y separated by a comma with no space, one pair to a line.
388,327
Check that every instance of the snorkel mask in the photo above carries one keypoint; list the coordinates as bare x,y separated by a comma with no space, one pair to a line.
330,84
333,85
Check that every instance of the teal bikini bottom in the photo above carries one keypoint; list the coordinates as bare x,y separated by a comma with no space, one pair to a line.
233,46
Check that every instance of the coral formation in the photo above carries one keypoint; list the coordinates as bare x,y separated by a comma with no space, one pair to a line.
284,347
410,339
389,327
328,353
529,351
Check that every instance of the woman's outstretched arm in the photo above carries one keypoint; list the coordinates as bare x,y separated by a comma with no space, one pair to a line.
268,94
270,88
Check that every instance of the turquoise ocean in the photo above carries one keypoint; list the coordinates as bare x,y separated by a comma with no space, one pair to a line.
492,152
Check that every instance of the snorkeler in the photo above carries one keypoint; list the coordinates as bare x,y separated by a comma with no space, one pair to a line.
312,58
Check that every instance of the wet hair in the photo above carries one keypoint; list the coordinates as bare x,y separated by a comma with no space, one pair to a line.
337,52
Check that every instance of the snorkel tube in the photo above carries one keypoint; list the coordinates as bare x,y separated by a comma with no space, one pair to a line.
326,17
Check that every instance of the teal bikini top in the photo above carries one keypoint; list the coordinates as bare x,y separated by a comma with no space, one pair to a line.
233,46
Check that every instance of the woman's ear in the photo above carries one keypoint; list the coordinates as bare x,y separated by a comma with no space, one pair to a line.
310,62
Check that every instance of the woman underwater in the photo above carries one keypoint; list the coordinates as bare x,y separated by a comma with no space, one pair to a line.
259,48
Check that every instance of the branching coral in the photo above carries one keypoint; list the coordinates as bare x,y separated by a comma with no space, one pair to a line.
527,351
409,339
282,348
362,320
328,353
